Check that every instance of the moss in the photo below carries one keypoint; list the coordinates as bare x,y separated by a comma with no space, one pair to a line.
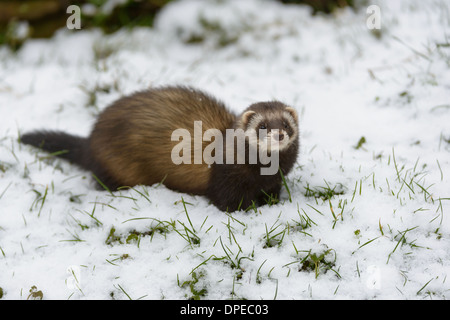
196,293
35,294
44,17
326,6
318,262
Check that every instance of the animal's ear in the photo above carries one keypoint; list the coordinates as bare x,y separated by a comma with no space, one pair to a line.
293,113
247,116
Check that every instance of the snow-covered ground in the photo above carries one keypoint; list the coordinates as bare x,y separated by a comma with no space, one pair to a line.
368,218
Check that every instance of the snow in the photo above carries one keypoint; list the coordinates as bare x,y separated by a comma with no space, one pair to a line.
384,234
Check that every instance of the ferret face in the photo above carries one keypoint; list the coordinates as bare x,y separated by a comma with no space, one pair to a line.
275,124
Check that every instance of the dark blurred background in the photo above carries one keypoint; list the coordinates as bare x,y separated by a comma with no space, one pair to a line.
23,19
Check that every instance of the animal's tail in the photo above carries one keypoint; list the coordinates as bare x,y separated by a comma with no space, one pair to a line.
63,145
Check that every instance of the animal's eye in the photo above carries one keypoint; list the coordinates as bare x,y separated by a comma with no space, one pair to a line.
285,125
262,126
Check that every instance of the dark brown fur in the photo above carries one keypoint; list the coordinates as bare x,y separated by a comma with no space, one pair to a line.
132,138
130,144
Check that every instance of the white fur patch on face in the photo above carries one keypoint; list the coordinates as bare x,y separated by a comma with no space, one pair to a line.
252,137
269,143
254,121
266,141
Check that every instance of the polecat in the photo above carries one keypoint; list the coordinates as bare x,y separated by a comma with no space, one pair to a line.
132,143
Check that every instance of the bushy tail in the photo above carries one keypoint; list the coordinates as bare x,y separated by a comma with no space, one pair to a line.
63,145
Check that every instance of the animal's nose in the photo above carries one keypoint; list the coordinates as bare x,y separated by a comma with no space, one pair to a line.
278,136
